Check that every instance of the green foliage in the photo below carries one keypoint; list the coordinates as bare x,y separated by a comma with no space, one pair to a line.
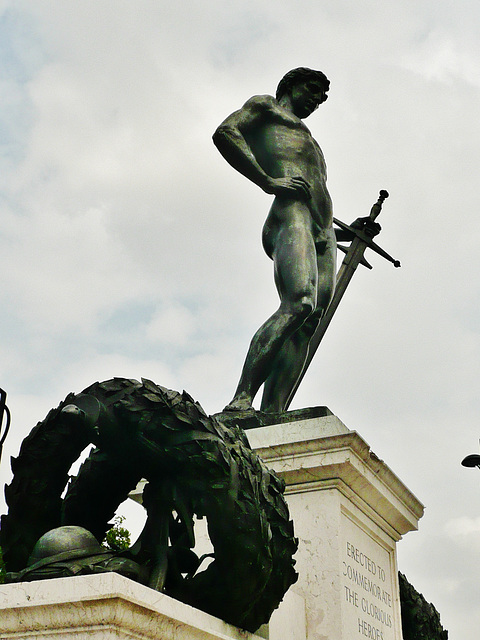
117,538
420,619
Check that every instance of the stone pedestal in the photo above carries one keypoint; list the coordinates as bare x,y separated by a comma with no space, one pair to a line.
103,607
349,511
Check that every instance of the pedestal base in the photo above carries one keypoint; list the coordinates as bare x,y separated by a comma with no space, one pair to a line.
349,511
103,607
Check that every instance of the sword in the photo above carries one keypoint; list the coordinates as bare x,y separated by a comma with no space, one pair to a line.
354,256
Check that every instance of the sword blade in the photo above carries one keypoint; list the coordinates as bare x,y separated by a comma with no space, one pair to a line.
353,257
345,273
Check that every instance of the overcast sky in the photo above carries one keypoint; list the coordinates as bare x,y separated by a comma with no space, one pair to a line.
129,247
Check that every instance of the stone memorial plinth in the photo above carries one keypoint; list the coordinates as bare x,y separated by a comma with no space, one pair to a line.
103,607
349,511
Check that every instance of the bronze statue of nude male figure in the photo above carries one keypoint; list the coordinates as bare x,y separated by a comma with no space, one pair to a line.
267,141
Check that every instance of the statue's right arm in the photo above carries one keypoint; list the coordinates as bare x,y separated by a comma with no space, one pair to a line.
229,138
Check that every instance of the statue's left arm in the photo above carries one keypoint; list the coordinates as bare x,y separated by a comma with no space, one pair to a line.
231,136
230,140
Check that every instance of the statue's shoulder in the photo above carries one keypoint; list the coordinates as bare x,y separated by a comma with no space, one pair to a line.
261,103
256,110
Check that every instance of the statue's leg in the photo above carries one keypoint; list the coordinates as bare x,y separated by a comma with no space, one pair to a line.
287,367
295,264
290,361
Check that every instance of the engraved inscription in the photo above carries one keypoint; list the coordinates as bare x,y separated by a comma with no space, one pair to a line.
367,592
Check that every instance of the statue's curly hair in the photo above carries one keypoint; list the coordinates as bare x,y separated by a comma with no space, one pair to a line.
300,74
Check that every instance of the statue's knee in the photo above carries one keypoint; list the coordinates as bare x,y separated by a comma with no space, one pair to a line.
303,310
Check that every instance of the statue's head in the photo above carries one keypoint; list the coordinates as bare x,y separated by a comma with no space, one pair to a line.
301,75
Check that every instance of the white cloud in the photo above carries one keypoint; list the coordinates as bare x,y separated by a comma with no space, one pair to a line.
174,326
443,57
463,526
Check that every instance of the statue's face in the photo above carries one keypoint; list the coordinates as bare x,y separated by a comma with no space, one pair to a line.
307,96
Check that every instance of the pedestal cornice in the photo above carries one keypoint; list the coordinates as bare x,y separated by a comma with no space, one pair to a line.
316,458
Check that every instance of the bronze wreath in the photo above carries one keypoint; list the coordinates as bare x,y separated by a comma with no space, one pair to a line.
194,465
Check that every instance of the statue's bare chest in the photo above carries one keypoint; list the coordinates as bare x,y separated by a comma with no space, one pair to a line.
285,135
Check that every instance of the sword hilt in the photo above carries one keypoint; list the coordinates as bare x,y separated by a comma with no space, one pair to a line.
377,207
374,212
4,412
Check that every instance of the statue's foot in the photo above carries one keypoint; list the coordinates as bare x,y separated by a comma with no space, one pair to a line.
240,403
